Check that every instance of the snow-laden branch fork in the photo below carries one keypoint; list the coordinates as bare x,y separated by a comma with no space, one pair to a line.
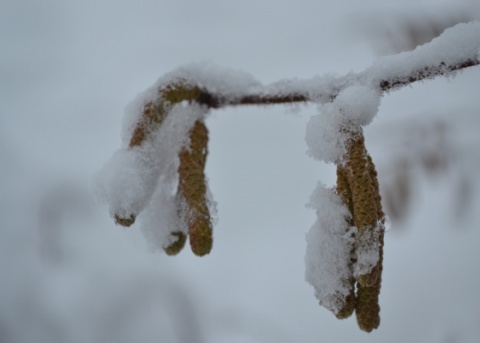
159,171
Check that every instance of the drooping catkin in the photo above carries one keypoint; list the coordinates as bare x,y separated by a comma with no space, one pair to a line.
343,190
363,198
368,218
368,308
192,187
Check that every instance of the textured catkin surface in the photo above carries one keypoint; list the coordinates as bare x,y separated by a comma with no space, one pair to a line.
193,188
357,186
363,195
368,308
343,190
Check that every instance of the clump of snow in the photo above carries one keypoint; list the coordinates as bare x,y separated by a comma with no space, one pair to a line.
367,251
358,104
127,181
161,218
328,131
329,244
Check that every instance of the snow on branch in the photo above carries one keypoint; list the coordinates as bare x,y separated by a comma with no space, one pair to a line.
456,49
158,173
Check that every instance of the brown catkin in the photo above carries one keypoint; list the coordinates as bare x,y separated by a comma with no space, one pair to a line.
193,188
368,308
367,214
343,190
363,195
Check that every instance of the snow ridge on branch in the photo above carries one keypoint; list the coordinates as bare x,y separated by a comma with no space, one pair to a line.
456,49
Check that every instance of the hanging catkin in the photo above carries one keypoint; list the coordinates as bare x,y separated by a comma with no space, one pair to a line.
357,185
343,190
368,308
192,187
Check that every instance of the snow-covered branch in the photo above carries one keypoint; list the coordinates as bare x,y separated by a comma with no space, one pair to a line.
160,168
456,49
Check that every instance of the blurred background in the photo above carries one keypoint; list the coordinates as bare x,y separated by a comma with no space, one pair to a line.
68,274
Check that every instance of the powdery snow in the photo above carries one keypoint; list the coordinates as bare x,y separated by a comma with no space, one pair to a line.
327,131
129,181
329,243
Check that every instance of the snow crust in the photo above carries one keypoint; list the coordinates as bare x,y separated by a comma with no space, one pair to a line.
328,131
329,243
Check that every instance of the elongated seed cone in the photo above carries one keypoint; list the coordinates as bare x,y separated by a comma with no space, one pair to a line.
343,190
380,215
193,188
368,217
176,246
378,199
367,308
363,196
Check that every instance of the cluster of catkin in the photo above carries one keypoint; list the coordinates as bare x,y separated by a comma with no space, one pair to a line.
191,197
357,186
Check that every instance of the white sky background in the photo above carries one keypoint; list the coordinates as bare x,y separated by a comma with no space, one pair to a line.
67,71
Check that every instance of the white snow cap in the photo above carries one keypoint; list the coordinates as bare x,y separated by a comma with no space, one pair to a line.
329,243
326,134
357,104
